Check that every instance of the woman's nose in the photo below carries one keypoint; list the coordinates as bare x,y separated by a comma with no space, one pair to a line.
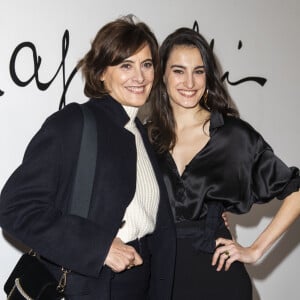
139,75
189,81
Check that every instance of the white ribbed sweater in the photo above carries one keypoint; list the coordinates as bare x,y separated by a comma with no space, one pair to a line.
140,215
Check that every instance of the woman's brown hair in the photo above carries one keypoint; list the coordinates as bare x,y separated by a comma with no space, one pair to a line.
161,123
113,43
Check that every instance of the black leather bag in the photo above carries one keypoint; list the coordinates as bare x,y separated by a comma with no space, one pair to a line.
30,279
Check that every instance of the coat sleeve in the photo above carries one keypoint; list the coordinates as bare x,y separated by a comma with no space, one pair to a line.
29,210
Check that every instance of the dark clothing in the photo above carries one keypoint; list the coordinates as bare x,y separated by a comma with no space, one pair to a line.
131,284
196,279
34,201
134,283
235,169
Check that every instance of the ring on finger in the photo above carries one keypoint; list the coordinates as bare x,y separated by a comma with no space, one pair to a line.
226,253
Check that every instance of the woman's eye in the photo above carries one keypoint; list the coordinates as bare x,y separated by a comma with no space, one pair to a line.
148,64
126,66
199,71
177,71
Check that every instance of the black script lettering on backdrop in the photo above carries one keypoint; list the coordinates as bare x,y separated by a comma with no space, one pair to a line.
260,80
37,60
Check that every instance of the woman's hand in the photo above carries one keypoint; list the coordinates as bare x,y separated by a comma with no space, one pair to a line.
225,218
121,256
228,251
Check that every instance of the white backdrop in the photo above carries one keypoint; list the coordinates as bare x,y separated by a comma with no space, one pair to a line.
258,38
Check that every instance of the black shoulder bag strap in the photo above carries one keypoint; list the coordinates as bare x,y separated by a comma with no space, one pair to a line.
84,177
86,165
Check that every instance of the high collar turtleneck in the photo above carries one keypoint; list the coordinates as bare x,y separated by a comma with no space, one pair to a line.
132,113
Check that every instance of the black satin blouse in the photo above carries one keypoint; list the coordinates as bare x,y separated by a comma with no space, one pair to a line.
235,169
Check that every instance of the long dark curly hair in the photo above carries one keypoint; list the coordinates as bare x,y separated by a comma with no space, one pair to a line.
161,123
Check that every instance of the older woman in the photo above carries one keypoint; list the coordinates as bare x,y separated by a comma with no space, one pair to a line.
124,249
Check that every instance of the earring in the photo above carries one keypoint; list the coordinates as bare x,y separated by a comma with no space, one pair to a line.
205,96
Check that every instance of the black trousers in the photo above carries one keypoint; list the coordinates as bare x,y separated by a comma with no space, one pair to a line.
197,279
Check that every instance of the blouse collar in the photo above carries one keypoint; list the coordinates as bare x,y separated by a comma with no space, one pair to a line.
216,120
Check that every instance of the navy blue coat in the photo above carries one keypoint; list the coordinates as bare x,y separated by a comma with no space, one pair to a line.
34,201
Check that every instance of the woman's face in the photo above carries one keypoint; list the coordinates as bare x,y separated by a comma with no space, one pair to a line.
185,77
131,81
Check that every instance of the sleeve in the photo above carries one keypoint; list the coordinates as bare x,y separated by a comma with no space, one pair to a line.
271,178
29,211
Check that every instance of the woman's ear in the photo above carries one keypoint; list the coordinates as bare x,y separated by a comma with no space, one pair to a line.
102,77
